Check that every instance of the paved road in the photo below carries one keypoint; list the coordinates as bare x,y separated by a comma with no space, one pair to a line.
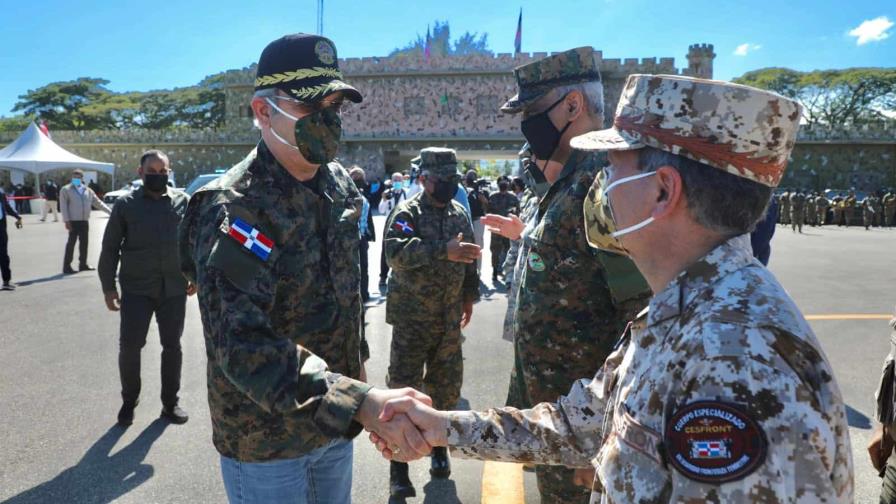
59,385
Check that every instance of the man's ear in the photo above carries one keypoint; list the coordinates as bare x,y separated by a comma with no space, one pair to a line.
670,193
575,105
262,110
140,171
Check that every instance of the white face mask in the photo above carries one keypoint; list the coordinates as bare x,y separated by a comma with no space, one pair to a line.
288,115
635,227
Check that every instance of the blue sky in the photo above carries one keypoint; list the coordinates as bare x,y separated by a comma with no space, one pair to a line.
140,45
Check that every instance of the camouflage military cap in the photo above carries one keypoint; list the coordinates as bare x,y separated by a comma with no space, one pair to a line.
439,161
304,66
537,78
745,131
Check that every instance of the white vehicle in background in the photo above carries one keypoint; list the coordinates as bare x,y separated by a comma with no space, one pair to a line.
202,180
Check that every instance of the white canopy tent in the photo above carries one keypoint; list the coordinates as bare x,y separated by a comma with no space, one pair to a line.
34,152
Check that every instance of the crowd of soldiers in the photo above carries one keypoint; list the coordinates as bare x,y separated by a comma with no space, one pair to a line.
804,207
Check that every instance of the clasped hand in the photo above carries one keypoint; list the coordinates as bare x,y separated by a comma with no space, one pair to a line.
402,423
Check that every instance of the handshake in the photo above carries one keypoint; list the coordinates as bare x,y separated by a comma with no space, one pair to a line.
402,423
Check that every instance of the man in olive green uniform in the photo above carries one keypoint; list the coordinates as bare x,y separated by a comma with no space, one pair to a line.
868,211
797,210
878,205
431,293
889,204
572,301
849,207
811,209
273,247
821,209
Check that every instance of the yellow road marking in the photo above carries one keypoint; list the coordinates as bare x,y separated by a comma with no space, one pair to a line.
502,483
850,316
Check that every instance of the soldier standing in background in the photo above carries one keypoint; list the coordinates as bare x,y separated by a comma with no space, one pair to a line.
811,212
868,211
821,209
837,208
849,207
501,203
432,289
797,210
572,301
878,206
785,207
889,204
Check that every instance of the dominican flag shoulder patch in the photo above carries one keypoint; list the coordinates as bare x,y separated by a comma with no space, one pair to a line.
252,239
403,226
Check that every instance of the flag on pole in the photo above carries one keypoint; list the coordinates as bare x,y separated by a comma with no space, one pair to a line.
43,128
518,41
426,49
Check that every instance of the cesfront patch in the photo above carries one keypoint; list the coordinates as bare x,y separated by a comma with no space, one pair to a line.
714,442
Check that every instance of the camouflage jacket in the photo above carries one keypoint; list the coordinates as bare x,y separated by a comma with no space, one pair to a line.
424,284
503,203
515,262
797,202
273,322
567,316
720,393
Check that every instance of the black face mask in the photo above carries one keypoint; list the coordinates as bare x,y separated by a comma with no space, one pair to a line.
535,178
155,182
444,191
542,135
360,184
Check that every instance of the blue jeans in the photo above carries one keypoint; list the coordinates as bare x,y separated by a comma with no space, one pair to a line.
323,476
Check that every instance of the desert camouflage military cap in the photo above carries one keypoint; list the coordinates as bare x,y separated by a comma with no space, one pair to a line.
304,66
439,161
537,78
745,131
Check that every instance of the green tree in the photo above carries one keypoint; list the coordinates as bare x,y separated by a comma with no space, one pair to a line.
441,45
62,104
833,98
15,124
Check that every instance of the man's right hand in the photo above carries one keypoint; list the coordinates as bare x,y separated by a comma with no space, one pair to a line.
430,423
880,448
509,227
113,303
458,251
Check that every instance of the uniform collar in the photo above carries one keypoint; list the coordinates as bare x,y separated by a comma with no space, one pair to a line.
141,191
696,279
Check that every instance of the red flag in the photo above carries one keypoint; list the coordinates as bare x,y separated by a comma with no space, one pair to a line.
518,41
426,47
43,128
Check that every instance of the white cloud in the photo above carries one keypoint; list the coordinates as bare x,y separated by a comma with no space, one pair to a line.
743,49
872,30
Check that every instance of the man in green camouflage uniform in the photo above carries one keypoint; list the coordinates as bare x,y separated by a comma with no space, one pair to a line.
572,301
273,247
431,293
849,207
811,211
785,207
821,209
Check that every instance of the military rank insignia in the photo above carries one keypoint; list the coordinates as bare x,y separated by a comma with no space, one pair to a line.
250,238
714,442
403,226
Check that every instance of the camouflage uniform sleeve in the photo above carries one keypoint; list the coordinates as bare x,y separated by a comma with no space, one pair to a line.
563,433
805,458
186,231
405,250
471,277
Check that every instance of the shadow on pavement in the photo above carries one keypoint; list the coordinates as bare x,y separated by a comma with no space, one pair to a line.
52,278
440,492
99,477
856,418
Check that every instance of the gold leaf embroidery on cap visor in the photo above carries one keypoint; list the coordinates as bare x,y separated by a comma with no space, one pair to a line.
302,73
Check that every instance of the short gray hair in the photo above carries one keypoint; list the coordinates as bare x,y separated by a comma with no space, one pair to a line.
593,91
718,200
263,94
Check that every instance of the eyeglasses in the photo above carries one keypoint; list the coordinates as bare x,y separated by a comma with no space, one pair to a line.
339,106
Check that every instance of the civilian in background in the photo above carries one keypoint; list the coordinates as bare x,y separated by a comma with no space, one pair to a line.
76,200
478,207
6,209
50,194
392,196
365,228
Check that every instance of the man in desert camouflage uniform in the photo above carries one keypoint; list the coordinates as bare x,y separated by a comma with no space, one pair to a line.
273,247
431,294
720,392
572,301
